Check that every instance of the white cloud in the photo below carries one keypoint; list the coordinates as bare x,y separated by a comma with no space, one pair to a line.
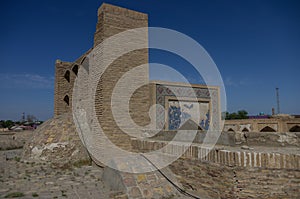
229,81
26,81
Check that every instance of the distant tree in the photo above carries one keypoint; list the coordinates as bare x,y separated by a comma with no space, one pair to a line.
7,123
242,114
234,115
31,118
226,115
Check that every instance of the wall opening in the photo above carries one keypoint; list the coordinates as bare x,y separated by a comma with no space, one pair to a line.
66,99
245,130
295,129
67,75
267,129
75,69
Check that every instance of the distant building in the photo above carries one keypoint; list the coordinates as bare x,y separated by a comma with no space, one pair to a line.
264,123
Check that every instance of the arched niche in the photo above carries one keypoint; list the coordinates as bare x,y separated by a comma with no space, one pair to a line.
75,69
67,75
230,129
267,129
245,130
295,128
66,99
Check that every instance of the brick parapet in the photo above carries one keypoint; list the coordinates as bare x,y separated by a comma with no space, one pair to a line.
241,158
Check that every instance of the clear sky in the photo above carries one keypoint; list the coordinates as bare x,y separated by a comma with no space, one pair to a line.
255,44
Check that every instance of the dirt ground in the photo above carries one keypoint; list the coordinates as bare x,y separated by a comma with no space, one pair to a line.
40,180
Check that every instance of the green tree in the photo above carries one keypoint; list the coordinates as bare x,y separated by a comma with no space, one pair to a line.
31,118
241,114
7,123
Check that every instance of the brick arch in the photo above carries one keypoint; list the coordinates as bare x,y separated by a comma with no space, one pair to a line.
267,129
67,75
75,69
245,130
66,99
230,129
295,128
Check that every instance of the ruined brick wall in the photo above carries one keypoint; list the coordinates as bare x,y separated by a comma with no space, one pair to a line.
284,159
65,75
64,80
210,180
111,20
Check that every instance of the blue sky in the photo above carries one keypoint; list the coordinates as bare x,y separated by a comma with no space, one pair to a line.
255,44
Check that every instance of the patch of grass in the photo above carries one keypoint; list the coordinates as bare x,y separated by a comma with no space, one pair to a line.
63,193
17,159
35,195
64,166
81,163
14,195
